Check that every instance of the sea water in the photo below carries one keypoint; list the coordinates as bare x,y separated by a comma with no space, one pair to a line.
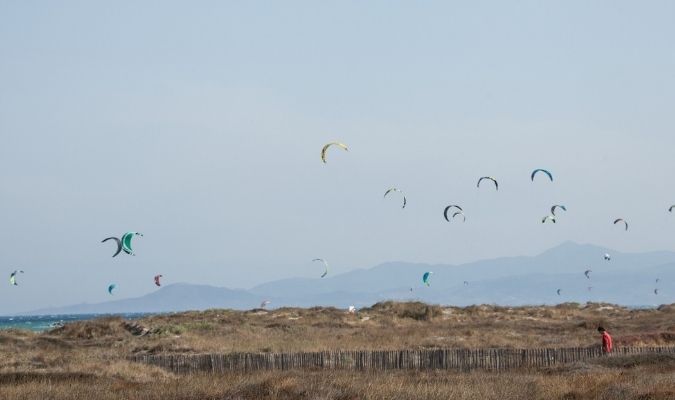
40,323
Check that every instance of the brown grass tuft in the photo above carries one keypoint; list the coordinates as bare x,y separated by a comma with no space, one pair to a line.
414,310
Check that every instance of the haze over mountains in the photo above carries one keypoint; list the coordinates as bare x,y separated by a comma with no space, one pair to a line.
628,279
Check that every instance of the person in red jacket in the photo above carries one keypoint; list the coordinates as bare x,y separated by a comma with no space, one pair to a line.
606,340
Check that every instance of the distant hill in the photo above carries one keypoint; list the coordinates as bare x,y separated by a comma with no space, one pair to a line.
175,297
628,279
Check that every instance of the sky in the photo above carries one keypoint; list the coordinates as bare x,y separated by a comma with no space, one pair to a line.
200,124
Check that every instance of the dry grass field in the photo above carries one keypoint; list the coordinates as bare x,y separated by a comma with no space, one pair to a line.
87,360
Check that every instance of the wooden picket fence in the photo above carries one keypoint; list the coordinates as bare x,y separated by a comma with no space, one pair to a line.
449,359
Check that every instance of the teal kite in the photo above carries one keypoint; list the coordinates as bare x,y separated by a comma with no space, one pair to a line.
426,277
550,176
126,242
123,244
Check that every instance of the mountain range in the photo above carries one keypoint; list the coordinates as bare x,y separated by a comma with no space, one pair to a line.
627,279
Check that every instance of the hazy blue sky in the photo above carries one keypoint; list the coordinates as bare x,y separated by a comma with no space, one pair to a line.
200,125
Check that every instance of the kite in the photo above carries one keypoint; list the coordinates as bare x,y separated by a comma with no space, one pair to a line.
426,277
111,288
325,265
12,277
325,149
157,280
541,170
557,206
459,213
119,244
616,221
548,218
588,273
405,201
126,242
123,244
445,212
488,178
